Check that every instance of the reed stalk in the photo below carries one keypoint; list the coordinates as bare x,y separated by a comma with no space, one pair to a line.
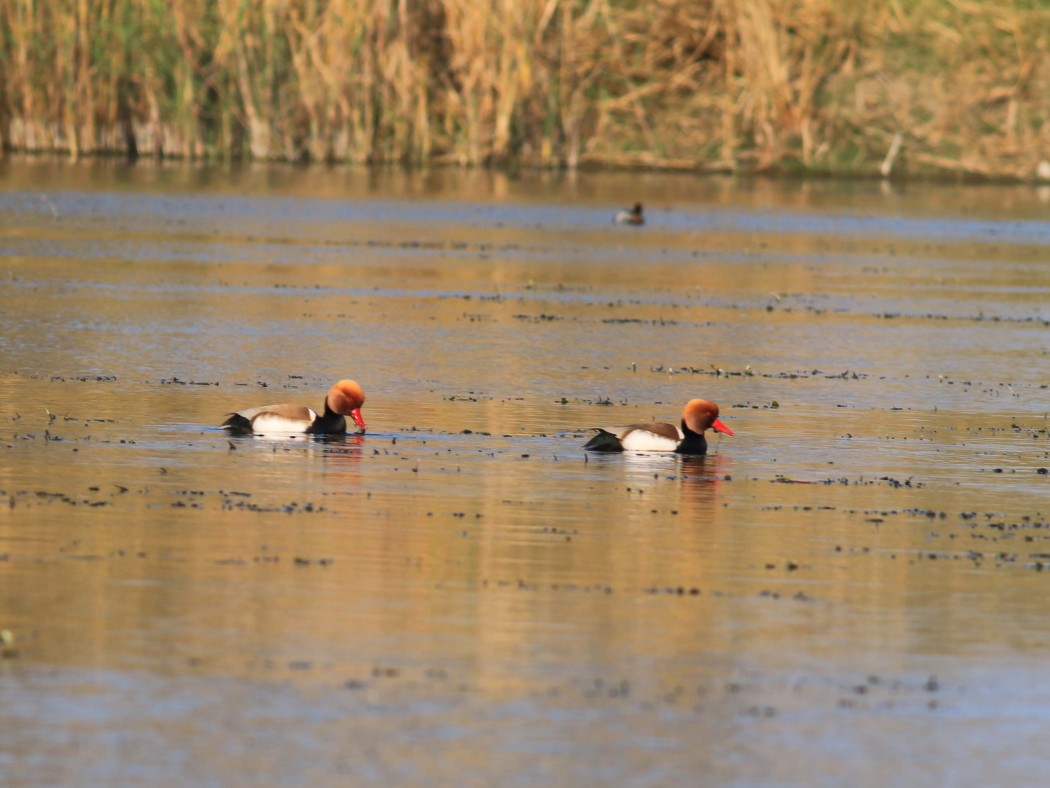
953,86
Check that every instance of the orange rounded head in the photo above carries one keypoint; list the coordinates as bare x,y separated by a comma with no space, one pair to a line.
346,398
700,414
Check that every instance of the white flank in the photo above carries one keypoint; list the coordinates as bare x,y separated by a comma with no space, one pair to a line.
643,440
272,424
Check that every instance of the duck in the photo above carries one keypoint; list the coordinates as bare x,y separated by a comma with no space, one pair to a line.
698,415
633,216
344,399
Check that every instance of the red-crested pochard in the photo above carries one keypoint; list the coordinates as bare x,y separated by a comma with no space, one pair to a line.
344,399
633,216
697,416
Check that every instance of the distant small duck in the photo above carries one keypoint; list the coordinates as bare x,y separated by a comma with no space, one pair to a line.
697,416
633,216
344,399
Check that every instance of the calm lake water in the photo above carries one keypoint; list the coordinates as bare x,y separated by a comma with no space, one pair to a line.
854,589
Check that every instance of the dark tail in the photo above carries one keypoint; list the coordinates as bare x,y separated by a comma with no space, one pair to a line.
237,424
603,441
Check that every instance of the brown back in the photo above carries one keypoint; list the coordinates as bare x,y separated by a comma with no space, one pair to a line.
661,428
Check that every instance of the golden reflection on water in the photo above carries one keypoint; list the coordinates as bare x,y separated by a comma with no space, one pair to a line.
879,516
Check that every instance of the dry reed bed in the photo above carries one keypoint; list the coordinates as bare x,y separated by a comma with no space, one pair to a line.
759,85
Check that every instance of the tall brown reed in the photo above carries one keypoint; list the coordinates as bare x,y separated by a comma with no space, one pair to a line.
816,85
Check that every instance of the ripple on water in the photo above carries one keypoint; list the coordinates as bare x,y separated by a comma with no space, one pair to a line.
870,546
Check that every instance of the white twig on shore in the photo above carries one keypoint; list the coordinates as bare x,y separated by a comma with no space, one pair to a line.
891,155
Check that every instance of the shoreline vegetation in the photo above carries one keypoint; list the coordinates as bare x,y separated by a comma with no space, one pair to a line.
926,88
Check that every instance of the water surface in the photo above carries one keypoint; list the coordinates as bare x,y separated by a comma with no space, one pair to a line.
851,589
